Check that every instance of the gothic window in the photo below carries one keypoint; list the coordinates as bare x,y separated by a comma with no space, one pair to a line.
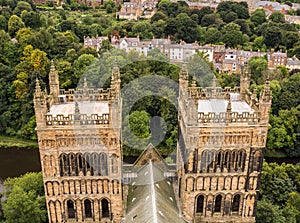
195,161
256,161
218,203
88,209
114,165
79,162
203,161
87,163
226,159
200,204
73,166
70,209
104,208
236,203
103,164
233,161
241,159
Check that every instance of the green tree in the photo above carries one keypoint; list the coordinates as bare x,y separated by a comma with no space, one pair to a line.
3,23
290,96
31,19
268,213
159,16
158,28
258,44
258,17
232,36
142,29
211,20
186,28
277,17
14,24
290,38
293,203
212,35
257,66
22,6
136,124
273,36
25,199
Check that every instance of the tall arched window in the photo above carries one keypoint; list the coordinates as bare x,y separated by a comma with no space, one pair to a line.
203,161
114,164
70,209
88,163
200,204
195,161
218,203
104,208
80,163
103,164
88,209
256,161
236,203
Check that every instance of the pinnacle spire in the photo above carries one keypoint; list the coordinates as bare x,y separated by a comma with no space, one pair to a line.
229,106
38,92
85,84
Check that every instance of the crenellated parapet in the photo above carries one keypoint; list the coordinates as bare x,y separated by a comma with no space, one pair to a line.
82,119
232,117
211,92
80,94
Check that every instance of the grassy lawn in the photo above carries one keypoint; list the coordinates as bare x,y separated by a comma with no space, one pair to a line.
8,142
275,154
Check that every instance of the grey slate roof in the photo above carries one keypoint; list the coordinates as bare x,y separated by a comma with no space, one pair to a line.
151,198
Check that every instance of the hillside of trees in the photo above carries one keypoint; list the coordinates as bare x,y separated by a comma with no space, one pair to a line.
32,35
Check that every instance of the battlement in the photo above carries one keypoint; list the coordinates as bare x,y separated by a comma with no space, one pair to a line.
99,94
229,117
211,92
81,119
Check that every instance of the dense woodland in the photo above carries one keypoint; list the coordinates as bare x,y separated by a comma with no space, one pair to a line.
31,35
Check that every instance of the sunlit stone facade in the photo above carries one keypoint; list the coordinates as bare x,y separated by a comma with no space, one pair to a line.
222,133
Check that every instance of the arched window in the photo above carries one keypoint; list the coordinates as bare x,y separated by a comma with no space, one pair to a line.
200,204
218,203
79,162
257,161
88,209
226,160
114,163
203,161
236,203
73,165
104,208
103,164
88,160
195,161
70,209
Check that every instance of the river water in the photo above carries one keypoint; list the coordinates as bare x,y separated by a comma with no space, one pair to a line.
15,162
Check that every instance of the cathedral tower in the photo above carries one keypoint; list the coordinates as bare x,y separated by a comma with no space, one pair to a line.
222,133
80,151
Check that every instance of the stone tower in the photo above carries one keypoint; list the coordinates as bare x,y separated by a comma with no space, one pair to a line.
80,150
222,133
